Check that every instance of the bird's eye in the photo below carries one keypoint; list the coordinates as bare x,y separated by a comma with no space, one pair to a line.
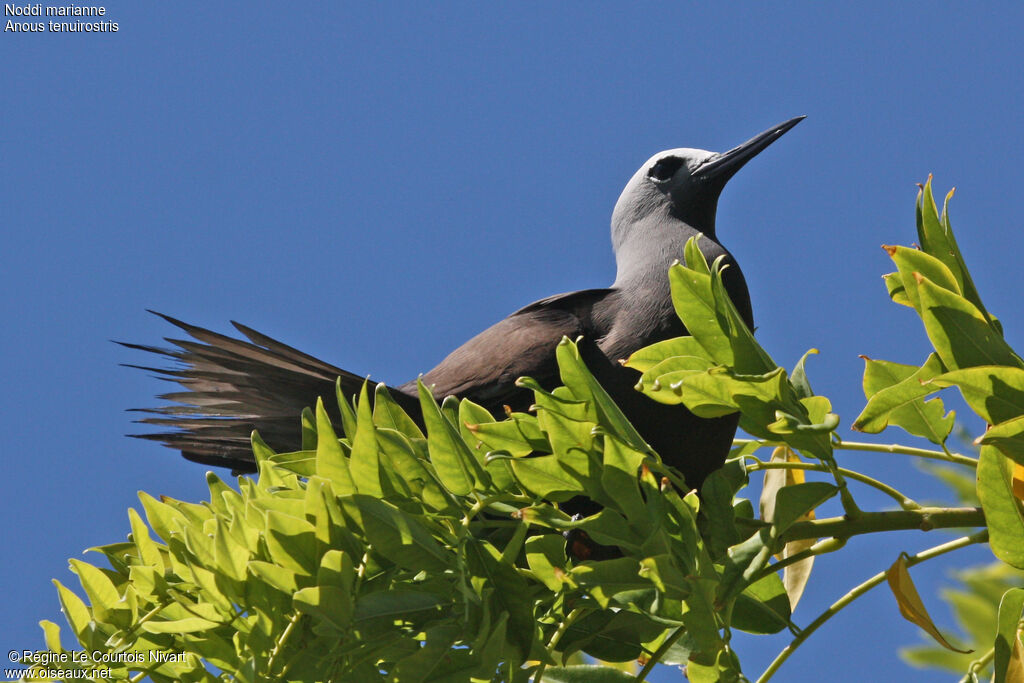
664,169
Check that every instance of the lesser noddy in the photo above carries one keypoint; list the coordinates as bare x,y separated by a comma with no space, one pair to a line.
233,386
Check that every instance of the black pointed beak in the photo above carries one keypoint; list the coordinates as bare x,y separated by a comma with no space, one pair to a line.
722,166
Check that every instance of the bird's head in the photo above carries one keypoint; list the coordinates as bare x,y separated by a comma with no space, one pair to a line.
684,184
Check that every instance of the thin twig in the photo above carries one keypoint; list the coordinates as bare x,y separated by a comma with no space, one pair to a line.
839,444
979,537
905,501
660,652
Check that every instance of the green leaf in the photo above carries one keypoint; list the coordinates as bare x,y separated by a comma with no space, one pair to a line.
322,510
959,331
666,575
505,436
897,292
1002,510
695,305
302,463
693,257
610,528
308,426
331,463
273,575
660,382
387,413
51,635
896,394
262,453
433,660
561,400
457,467
185,625
546,477
364,461
511,594
603,580
545,556
163,518
585,673
489,647
571,441
149,552
1008,437
699,616
76,612
327,603
936,235
1007,640
798,378
750,357
338,570
763,607
996,393
99,589
508,436
578,378
399,536
618,636
744,559
713,666
650,356
229,556
913,262
348,415
796,500
292,542
619,478
719,515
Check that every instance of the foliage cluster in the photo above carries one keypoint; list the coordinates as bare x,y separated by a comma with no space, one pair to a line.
396,555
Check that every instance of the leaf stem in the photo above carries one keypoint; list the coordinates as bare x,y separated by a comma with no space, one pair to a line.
977,666
282,640
820,548
557,636
978,537
839,444
906,502
905,450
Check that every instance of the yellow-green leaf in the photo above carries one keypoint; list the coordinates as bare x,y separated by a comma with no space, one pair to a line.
364,461
331,463
995,392
959,331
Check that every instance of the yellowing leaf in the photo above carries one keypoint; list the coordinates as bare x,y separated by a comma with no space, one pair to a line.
910,604
1015,667
795,576
1018,481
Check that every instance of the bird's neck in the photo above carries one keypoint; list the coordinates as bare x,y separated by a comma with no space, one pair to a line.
645,250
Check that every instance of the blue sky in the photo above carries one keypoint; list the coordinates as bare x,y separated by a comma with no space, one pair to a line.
376,183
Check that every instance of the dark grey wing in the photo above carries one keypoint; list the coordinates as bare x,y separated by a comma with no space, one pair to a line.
486,367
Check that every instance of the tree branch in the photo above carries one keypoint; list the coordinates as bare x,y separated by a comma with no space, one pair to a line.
924,519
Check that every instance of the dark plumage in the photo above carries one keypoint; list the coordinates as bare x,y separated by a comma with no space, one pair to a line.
232,386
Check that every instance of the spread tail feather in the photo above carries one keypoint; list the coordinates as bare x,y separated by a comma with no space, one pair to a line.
232,387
